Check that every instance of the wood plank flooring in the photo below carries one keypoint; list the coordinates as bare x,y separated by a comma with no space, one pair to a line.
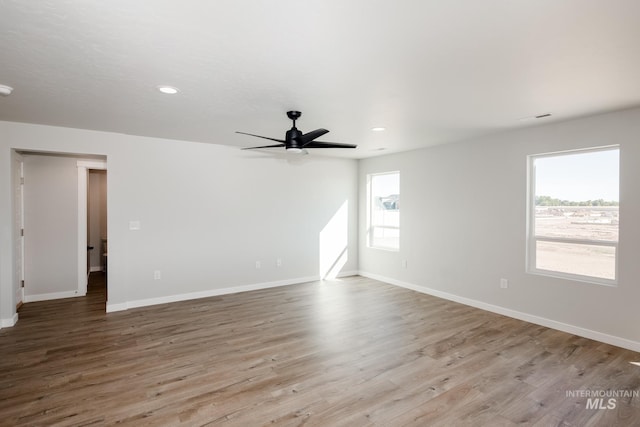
352,352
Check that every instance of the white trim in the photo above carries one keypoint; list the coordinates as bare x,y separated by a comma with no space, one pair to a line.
348,273
95,268
83,168
532,239
8,323
370,227
82,229
92,164
593,280
570,241
21,226
208,293
553,324
112,308
53,295
577,151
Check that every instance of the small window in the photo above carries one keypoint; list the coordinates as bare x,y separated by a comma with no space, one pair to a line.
574,214
384,210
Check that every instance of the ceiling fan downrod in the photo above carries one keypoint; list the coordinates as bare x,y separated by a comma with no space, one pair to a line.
294,115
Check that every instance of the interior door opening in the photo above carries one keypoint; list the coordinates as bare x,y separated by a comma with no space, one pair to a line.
97,242
64,206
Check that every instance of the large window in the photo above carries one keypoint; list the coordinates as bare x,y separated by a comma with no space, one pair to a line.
384,210
574,214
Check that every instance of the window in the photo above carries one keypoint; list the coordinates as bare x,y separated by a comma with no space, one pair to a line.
384,210
574,214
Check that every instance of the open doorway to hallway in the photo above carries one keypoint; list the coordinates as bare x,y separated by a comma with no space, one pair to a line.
97,243
62,209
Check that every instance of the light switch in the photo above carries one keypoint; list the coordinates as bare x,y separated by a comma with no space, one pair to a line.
134,225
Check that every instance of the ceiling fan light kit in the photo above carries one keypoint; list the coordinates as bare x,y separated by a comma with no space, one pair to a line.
5,90
169,90
297,142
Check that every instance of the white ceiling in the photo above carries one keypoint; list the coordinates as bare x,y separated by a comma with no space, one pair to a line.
430,71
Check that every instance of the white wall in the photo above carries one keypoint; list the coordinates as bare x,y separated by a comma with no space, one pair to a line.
207,213
463,227
51,227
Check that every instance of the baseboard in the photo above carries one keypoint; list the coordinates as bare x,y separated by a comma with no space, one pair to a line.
542,321
53,295
348,273
113,307
7,323
95,269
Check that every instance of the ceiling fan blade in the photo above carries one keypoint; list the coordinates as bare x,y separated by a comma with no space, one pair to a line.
263,137
264,146
318,144
310,136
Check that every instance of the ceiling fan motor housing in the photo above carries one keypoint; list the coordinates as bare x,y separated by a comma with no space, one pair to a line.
292,139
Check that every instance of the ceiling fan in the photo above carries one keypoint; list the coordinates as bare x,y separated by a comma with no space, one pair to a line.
297,142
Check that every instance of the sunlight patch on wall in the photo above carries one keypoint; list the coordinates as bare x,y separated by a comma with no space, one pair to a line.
333,243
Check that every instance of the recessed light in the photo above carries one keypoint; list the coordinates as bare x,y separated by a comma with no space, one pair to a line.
169,90
378,129
5,90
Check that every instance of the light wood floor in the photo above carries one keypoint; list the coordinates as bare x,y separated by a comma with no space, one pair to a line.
353,352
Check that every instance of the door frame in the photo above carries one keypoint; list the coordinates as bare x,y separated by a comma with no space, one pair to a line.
83,176
17,170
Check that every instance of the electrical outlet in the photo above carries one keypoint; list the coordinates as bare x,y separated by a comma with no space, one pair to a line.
258,265
157,275
504,283
279,262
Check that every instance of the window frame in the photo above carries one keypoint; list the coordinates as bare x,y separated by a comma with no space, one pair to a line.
370,226
532,239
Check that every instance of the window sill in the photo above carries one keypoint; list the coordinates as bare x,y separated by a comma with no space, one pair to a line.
383,248
574,277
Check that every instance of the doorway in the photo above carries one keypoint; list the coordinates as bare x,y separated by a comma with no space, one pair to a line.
92,221
56,206
97,242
